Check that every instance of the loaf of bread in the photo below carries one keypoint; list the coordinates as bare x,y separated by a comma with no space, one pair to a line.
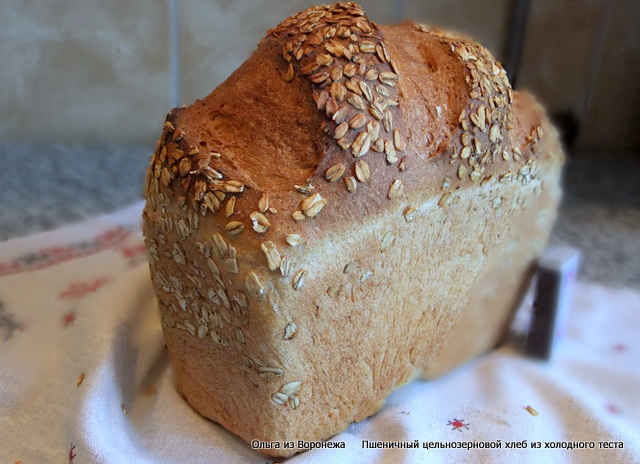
356,206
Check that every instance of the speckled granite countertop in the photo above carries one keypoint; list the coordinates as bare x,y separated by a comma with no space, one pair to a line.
44,187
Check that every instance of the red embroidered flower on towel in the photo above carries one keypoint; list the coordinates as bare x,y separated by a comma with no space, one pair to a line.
612,408
72,455
133,251
78,290
68,319
457,424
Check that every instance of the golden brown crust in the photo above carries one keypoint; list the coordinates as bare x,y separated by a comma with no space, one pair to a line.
321,222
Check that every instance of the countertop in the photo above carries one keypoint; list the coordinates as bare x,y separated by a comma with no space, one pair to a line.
43,187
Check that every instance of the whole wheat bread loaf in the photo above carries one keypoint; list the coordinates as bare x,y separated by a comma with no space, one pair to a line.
356,206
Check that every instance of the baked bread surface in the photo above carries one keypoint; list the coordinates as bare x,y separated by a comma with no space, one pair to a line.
356,206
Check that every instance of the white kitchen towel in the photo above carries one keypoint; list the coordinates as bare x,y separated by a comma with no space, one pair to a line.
84,376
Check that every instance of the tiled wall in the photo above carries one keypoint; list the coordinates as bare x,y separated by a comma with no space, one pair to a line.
583,58
108,71
87,70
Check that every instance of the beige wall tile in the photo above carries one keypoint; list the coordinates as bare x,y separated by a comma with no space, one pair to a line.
613,120
101,71
559,51
217,37
556,56
84,70
484,21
